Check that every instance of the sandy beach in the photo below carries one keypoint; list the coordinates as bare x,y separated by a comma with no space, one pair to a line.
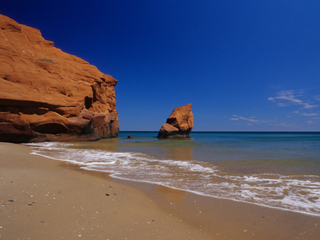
46,199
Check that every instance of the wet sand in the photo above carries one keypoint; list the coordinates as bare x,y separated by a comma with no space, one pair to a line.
46,199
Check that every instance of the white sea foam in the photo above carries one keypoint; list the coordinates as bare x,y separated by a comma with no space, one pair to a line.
294,193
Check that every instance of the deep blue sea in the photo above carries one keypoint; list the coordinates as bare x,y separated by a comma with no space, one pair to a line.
277,170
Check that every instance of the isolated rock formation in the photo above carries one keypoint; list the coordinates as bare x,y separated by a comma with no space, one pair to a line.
46,94
179,124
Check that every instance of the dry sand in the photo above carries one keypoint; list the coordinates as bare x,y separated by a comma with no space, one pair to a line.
46,199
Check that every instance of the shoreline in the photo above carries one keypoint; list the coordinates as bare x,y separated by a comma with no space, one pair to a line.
139,183
47,199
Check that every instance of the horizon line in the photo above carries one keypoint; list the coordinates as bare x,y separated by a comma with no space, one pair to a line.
237,131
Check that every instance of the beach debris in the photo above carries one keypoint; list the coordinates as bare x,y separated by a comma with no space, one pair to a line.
11,200
107,194
179,124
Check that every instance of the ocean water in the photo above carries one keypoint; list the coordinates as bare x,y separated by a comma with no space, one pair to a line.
277,170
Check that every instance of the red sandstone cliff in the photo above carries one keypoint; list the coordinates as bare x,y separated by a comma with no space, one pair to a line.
179,124
46,94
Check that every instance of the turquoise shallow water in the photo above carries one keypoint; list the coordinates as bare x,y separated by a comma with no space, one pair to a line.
278,170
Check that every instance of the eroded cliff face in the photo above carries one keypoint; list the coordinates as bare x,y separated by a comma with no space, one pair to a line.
46,94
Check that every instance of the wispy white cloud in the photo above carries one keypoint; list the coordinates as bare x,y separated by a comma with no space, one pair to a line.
283,124
305,114
309,122
302,112
234,119
253,121
317,97
247,119
289,98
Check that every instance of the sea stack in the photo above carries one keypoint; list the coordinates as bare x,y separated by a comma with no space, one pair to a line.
49,95
179,124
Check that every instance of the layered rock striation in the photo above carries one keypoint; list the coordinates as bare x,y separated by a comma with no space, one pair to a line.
47,94
179,124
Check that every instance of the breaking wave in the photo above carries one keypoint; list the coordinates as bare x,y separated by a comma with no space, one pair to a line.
298,193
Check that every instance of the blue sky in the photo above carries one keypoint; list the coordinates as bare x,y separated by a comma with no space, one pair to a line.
245,65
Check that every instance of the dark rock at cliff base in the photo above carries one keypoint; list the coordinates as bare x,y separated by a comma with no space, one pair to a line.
179,124
47,94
